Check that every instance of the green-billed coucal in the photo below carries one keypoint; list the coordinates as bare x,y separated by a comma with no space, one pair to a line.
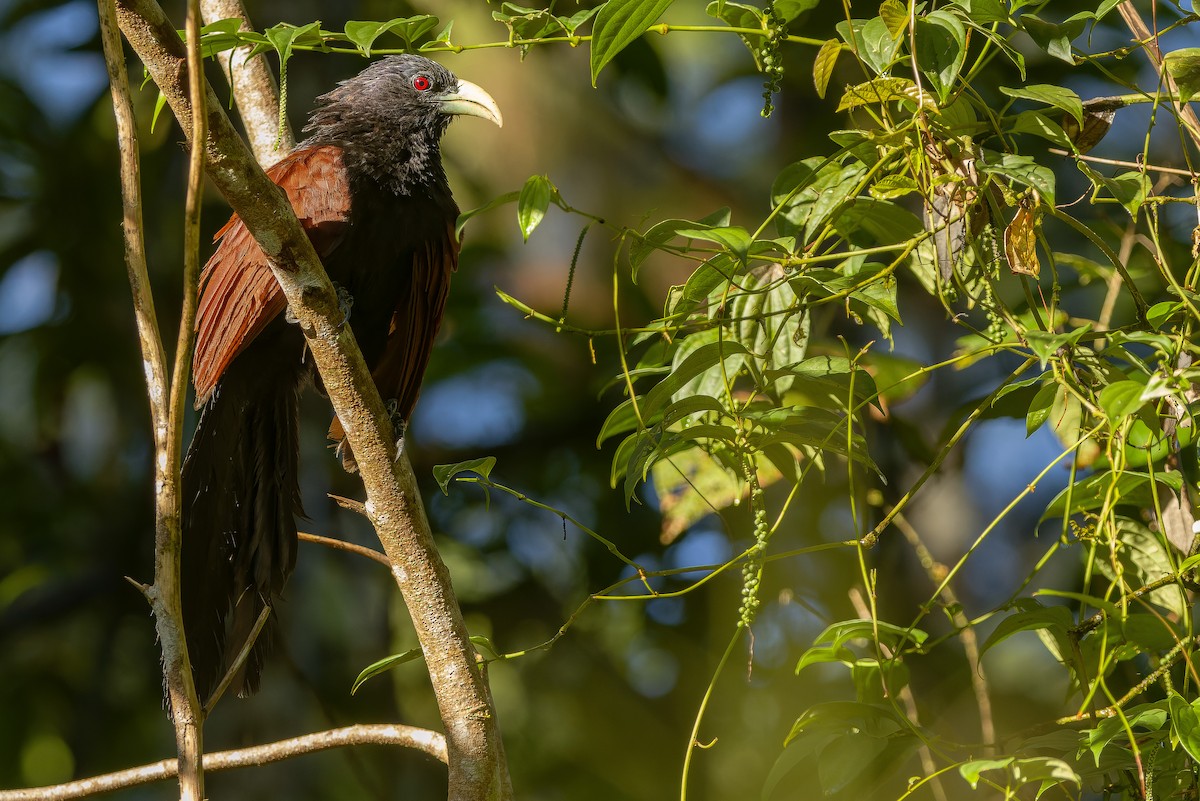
368,186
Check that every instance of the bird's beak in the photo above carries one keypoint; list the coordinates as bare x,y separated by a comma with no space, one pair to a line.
471,101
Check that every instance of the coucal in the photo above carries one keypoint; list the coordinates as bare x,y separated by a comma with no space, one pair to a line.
369,188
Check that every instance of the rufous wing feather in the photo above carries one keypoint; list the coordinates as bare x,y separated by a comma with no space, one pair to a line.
238,293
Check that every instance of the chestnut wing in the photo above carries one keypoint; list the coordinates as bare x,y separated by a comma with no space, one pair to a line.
238,293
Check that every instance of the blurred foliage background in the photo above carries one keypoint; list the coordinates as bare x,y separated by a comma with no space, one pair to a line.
673,130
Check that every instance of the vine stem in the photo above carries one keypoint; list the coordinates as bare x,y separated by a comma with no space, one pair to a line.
662,28
693,742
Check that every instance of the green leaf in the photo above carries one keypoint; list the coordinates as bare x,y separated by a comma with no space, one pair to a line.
790,9
1048,770
983,12
658,235
813,429
872,41
895,15
1045,345
651,448
1131,189
691,363
1021,169
871,720
1184,66
834,638
1066,417
1038,124
971,770
507,197
1121,399
1130,487
867,221
1054,39
1185,722
941,49
160,103
572,22
878,91
733,238
364,34
771,320
824,65
221,35
1144,558
1150,717
532,203
1160,313
283,37
845,759
893,186
1056,620
384,665
442,473
809,192
740,15
1039,408
618,23
692,485
1057,96
707,277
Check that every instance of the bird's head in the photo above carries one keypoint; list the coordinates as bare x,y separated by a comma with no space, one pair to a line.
396,110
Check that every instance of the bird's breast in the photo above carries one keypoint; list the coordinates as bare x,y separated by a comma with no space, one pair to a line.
375,260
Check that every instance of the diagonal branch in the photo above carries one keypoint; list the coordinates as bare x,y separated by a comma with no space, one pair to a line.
475,754
254,88
1137,26
428,742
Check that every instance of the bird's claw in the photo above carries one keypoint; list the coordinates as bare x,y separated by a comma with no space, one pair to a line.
345,302
399,424
291,318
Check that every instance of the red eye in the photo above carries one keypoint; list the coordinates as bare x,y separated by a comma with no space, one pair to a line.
421,83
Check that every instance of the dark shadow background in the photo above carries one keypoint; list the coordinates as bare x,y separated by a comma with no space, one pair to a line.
673,131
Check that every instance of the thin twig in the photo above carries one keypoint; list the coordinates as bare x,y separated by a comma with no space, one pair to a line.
242,655
873,535
1128,238
428,742
1133,20
1118,163
1169,661
906,697
937,573
342,545
164,594
1093,622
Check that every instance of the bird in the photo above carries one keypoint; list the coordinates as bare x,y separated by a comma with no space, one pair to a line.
368,186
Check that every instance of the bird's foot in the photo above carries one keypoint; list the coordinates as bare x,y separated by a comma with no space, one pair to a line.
345,302
399,424
291,319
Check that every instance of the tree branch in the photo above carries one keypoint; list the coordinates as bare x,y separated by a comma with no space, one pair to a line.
428,742
342,545
477,769
254,88
166,407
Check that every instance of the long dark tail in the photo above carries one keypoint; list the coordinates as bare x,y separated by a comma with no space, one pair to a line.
240,499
